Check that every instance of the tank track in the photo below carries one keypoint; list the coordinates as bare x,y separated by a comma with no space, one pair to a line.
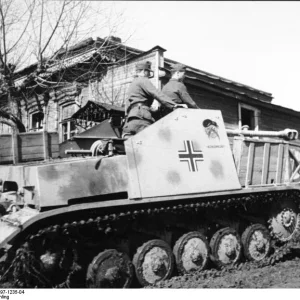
107,223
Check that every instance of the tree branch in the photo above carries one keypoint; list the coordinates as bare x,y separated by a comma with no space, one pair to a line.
40,38
3,37
25,28
56,25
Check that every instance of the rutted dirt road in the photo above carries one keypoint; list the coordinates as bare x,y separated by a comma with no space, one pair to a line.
282,275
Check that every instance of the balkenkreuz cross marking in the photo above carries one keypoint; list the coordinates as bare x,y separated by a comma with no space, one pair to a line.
190,155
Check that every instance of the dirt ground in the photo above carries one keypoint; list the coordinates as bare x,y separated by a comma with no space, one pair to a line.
282,275
285,274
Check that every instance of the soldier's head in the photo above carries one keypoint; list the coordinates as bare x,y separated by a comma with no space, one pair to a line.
143,69
178,71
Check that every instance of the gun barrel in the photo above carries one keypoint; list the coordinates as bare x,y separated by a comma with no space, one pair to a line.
289,134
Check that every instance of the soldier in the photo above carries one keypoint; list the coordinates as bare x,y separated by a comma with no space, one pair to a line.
175,88
141,94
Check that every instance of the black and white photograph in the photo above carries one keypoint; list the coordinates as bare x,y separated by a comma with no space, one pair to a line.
149,145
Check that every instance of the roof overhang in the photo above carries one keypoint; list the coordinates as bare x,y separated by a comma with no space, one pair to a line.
194,75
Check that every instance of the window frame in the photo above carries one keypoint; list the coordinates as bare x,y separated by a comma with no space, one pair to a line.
31,129
256,115
70,133
68,121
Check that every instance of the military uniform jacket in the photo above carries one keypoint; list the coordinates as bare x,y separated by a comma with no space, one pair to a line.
142,91
177,91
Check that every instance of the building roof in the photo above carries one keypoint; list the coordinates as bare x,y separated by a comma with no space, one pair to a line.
279,108
222,83
108,50
85,51
111,49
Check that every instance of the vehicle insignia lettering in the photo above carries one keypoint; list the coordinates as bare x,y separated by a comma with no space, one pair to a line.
211,128
190,155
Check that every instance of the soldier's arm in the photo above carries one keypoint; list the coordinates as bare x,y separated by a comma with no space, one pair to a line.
150,89
186,98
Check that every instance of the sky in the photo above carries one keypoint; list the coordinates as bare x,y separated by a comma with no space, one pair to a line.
254,43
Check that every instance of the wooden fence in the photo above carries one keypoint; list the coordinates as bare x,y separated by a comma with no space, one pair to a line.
29,146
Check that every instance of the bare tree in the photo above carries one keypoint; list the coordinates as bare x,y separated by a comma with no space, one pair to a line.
40,35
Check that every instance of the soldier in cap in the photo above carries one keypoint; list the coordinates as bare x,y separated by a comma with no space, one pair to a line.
175,88
141,94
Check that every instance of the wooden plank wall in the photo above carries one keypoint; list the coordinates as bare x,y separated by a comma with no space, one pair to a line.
113,87
31,146
274,120
209,100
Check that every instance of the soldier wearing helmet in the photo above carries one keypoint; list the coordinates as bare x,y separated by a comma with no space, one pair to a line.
141,94
175,88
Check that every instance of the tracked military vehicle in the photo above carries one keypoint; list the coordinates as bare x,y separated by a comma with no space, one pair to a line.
183,195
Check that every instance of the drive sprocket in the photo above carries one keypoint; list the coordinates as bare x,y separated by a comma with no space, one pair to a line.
285,223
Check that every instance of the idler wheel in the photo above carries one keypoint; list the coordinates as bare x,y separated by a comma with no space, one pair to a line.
226,247
191,252
110,269
284,222
256,242
153,262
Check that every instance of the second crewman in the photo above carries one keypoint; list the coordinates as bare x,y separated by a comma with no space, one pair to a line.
176,90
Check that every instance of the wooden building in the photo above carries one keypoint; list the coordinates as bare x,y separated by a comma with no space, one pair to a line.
105,80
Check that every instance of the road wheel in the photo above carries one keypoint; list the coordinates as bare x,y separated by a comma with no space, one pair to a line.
153,262
226,247
191,252
256,242
110,269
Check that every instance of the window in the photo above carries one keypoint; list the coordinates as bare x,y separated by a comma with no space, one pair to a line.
68,128
4,128
36,121
249,116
